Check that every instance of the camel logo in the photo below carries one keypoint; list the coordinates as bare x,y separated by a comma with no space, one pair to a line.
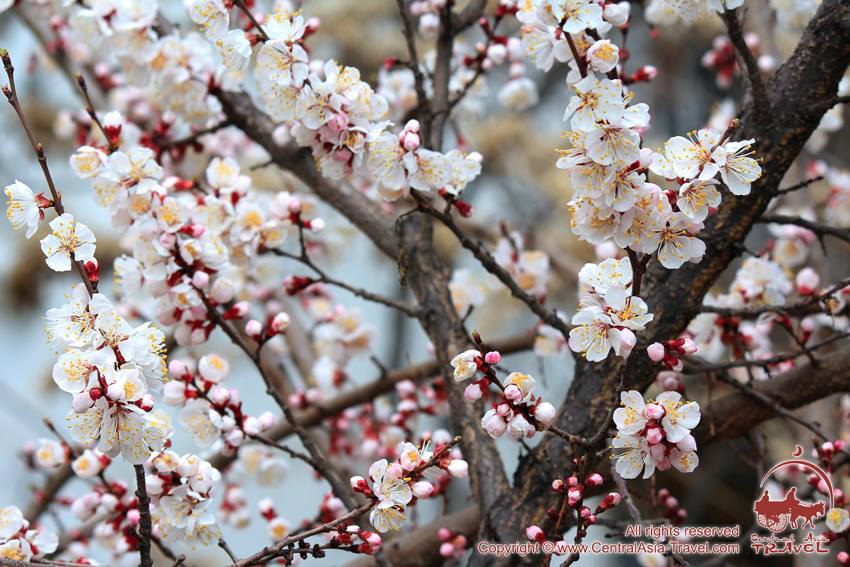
778,515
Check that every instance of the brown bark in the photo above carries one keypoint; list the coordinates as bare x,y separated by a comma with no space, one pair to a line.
797,93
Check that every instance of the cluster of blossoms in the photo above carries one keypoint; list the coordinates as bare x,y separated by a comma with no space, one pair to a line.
189,238
181,488
115,507
608,313
20,542
211,411
760,283
112,369
608,169
516,410
573,490
326,107
671,12
410,477
655,435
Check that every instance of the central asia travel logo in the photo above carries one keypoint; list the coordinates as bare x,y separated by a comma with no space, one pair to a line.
792,512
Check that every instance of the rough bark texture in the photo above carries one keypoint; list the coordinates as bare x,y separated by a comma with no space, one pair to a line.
798,94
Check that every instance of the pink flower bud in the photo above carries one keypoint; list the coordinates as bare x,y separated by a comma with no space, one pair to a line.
222,290
200,279
492,357
115,392
235,438
654,411
177,369
654,436
573,496
671,502
594,480
267,420
82,402
513,393
458,468
251,425
266,506
544,413
689,346
412,126
807,281
616,498
422,489
472,392
447,549
280,323
238,311
655,352
133,516
444,534
254,329
557,485
494,424
395,470
843,557
572,481
219,395
410,141
534,533
146,403
167,240
358,483
645,157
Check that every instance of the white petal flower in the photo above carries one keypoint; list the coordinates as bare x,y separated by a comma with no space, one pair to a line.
683,462
696,197
635,458
50,454
88,161
594,335
23,209
197,417
679,418
68,239
837,520
386,516
11,521
465,365
73,371
629,419
738,170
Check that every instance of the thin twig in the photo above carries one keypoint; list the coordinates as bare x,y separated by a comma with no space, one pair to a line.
491,265
758,89
145,524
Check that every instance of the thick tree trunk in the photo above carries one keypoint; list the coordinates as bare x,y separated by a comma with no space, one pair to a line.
799,94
